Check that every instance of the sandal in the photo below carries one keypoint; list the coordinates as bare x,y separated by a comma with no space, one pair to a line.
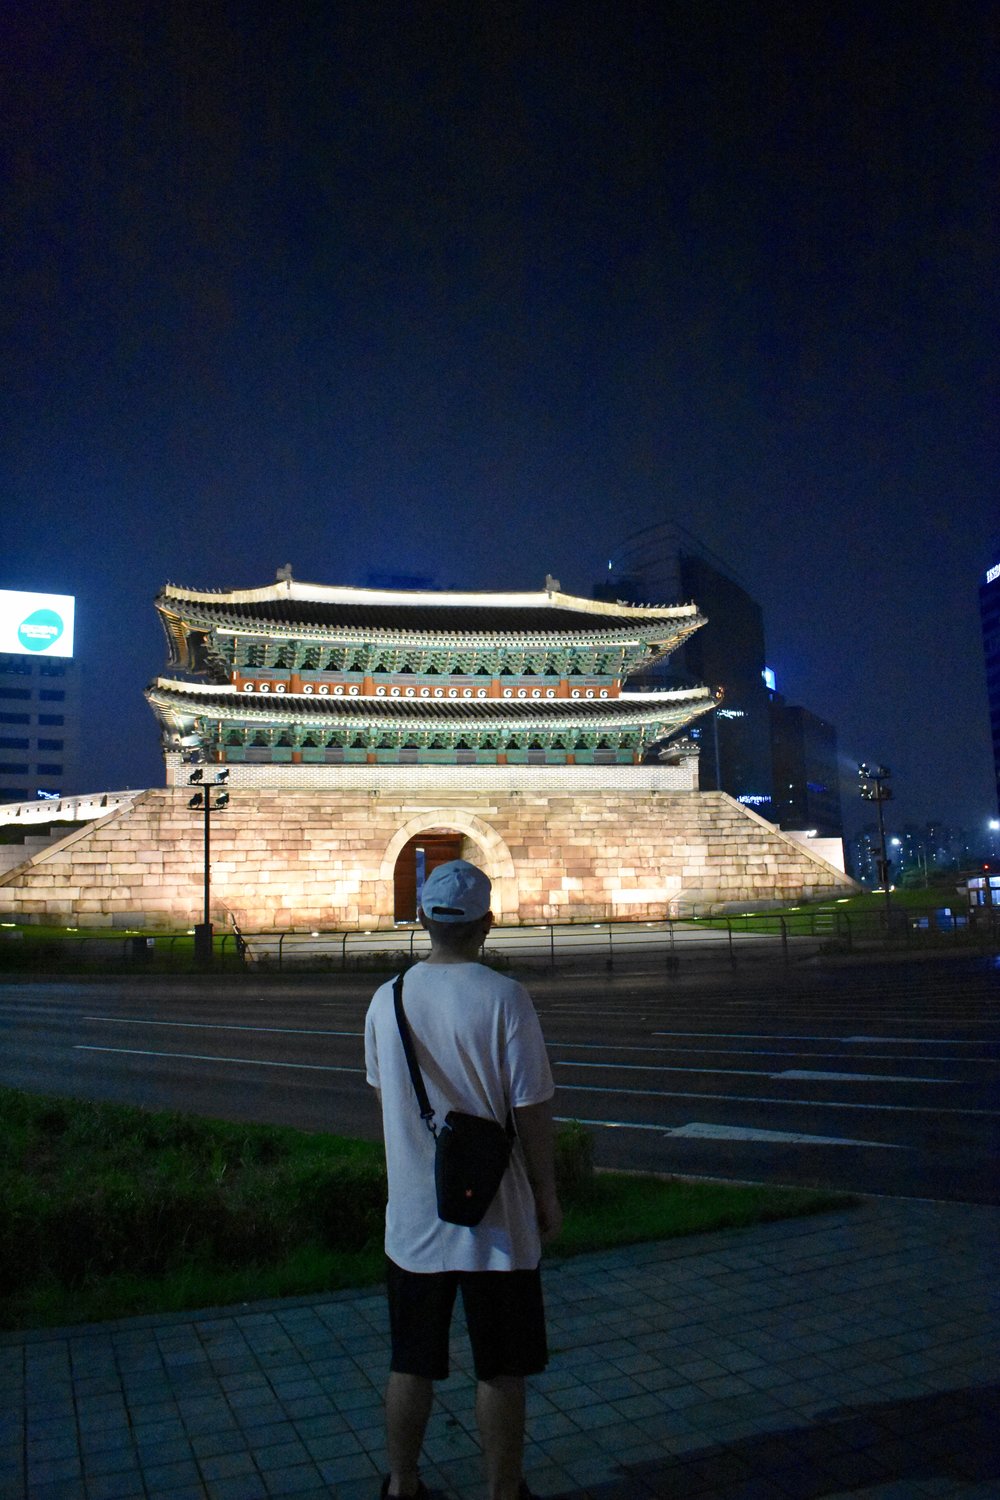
421,1492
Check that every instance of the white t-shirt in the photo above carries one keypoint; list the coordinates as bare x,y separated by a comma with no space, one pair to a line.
480,1050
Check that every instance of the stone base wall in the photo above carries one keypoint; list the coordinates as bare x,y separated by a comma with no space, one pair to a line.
297,860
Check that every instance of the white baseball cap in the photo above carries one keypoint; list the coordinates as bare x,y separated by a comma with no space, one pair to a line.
455,892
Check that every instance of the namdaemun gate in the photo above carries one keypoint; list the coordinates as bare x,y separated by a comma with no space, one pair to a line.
369,734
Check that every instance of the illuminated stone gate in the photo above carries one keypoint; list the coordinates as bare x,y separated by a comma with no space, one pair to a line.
364,732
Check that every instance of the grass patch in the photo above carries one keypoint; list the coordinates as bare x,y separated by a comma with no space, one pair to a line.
814,918
623,1208
106,1210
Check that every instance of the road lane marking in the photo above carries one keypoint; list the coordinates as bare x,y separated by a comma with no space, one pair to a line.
781,1036
792,1073
606,1047
605,1067
254,1062
807,1074
931,1041
907,1109
726,1132
698,1131
220,1026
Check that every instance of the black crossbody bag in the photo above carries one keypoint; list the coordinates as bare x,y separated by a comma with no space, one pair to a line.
471,1154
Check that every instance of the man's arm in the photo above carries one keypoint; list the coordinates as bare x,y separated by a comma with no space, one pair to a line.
536,1133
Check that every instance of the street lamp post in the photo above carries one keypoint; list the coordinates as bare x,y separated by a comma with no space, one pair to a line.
875,788
204,799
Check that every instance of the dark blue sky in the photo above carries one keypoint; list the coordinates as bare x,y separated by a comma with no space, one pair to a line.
474,291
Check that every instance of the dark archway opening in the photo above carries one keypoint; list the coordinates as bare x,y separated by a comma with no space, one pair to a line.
415,862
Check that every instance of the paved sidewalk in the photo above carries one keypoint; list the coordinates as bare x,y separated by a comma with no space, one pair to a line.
852,1354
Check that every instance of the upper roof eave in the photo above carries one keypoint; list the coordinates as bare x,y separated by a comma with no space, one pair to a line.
289,591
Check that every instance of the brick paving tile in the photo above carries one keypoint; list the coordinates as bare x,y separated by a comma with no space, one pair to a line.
754,1364
115,1487
242,1487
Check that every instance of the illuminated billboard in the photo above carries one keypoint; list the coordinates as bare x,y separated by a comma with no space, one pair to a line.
36,624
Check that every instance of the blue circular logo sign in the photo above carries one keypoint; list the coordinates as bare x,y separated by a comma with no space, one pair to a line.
40,630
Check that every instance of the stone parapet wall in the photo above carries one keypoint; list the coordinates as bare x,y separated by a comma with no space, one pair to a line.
297,860
682,777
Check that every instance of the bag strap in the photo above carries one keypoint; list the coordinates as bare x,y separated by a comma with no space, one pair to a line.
426,1113
416,1077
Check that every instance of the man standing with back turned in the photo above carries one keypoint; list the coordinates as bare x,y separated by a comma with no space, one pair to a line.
480,1050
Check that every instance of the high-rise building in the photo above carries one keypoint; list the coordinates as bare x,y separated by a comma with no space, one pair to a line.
39,697
806,776
989,612
665,564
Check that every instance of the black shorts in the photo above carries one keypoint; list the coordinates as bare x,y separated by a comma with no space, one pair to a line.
503,1313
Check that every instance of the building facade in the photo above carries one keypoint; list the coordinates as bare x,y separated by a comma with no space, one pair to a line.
806,772
989,614
668,565
39,697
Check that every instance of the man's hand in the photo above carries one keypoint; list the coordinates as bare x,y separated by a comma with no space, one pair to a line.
550,1217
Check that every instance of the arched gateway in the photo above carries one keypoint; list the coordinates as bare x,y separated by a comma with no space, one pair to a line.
431,838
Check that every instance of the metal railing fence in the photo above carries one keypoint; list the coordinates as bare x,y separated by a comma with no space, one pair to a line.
735,939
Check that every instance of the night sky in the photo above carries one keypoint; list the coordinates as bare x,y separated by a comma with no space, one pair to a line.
474,291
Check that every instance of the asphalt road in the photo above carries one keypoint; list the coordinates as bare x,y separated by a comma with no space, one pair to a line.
878,1077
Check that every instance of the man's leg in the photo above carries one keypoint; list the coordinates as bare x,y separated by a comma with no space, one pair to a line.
408,1400
500,1415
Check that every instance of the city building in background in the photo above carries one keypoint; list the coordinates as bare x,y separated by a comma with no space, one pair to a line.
39,697
665,564
919,854
806,775
989,613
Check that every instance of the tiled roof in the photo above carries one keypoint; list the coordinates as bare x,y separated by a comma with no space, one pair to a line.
630,708
360,613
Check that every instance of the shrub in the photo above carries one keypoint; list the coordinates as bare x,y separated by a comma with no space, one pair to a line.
341,1203
574,1161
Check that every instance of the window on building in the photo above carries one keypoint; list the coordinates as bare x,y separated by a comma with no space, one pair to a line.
52,695
15,718
48,744
53,720
22,693
13,768
18,666
52,667
47,769
8,742
15,793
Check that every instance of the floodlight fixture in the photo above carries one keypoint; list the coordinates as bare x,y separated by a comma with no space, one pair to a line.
196,776
875,788
204,800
